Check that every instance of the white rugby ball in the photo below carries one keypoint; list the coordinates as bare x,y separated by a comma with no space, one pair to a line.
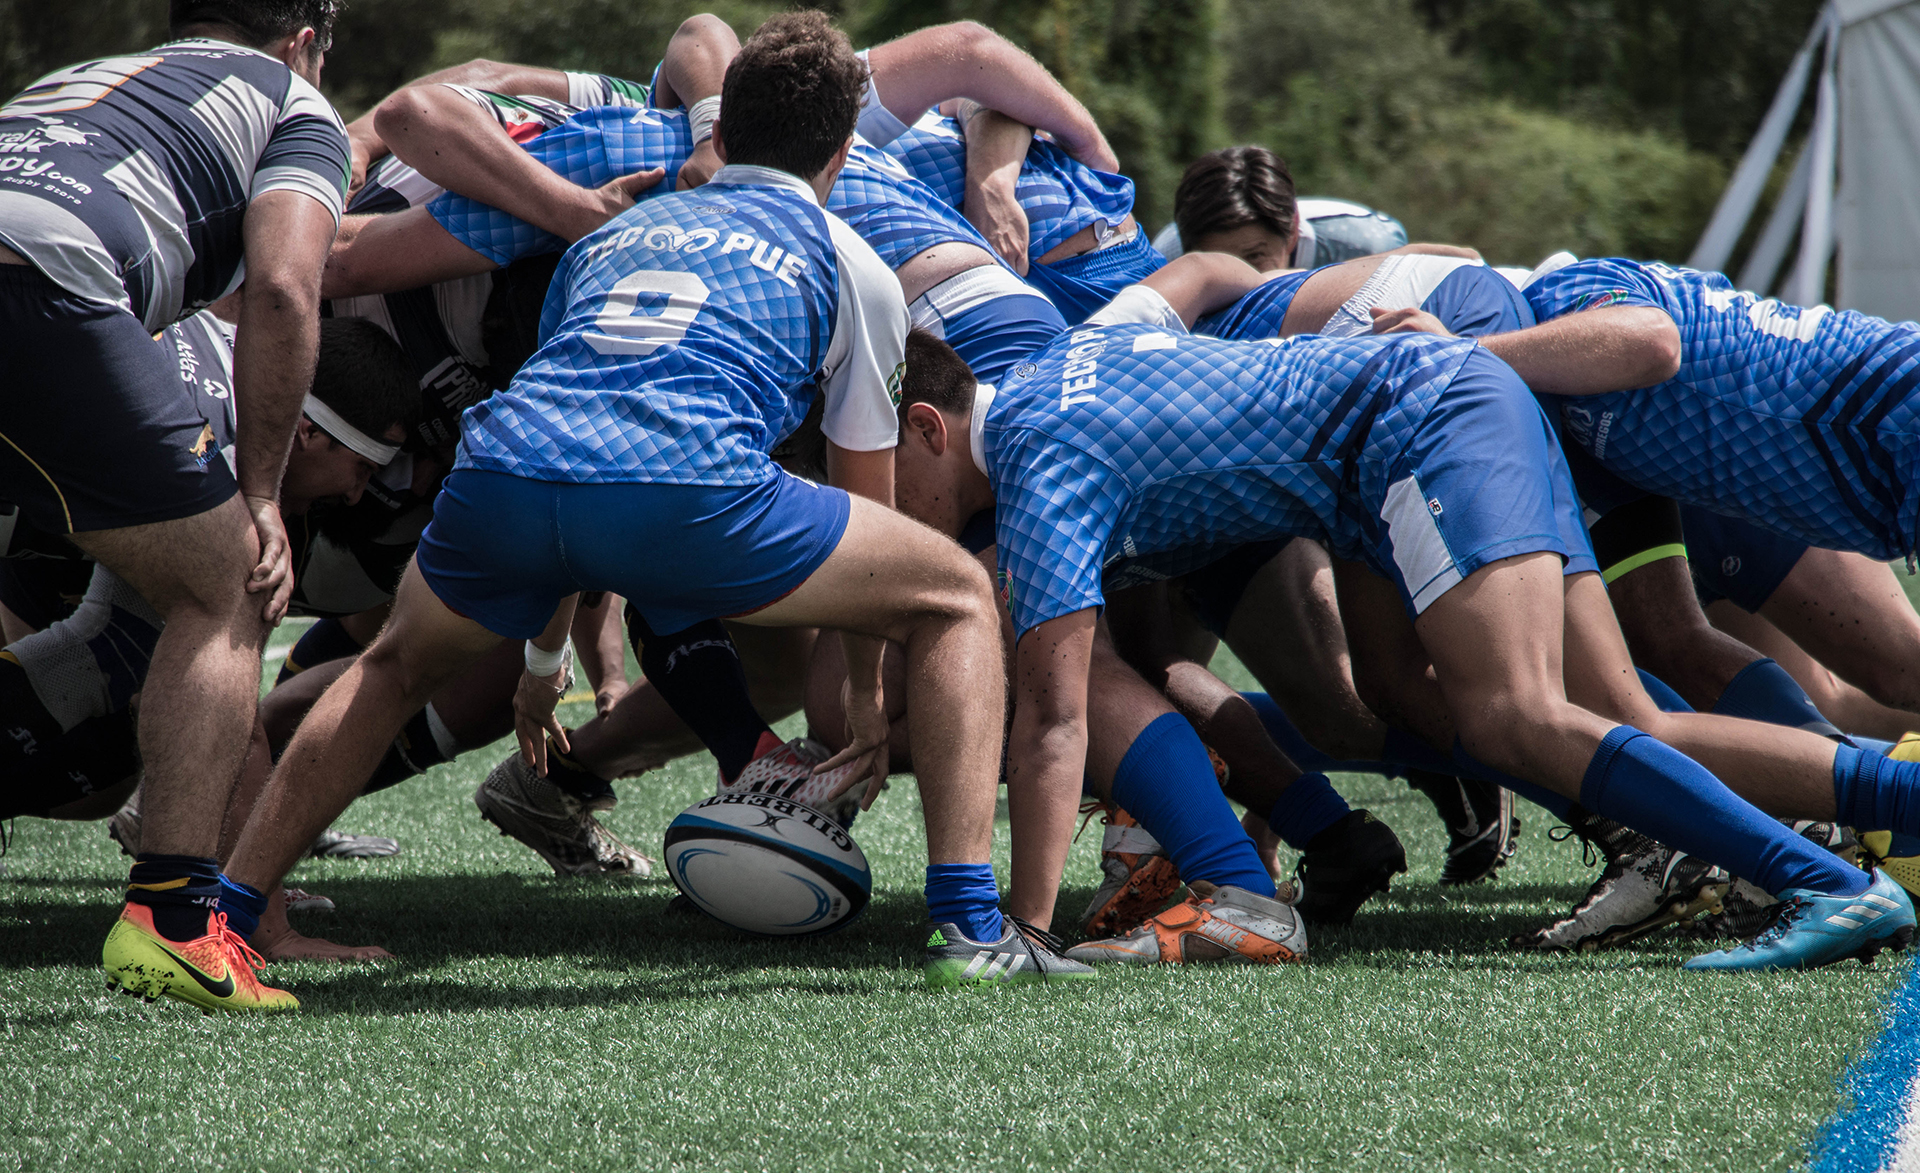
768,865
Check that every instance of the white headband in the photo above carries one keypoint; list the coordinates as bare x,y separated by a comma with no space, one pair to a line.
330,422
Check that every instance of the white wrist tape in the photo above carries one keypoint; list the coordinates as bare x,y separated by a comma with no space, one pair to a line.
701,116
543,663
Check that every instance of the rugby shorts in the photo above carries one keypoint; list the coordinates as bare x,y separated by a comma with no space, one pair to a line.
97,429
503,550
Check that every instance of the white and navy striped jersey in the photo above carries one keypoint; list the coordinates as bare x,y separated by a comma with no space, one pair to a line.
126,181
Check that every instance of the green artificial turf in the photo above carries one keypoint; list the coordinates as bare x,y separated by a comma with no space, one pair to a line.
532,1023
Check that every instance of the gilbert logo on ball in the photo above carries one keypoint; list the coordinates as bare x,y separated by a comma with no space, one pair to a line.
767,865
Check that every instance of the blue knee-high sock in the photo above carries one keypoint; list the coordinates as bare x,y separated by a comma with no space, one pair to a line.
1305,809
1299,749
1764,692
1876,793
964,894
1166,782
1659,791
242,904
1663,697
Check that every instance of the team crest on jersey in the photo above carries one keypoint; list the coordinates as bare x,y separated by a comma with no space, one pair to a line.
1024,371
894,380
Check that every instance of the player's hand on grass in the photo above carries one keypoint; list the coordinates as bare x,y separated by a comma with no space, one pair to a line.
993,206
699,167
1407,321
273,574
610,199
867,734
533,704
288,945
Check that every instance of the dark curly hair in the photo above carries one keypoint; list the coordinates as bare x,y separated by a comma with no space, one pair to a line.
258,23
1232,188
792,95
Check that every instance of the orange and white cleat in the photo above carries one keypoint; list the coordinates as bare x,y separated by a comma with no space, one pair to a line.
213,972
1139,878
1213,924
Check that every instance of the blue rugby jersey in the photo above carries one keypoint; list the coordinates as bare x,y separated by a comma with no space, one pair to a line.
126,180
591,148
1469,298
394,186
1060,194
894,212
685,338
1797,419
1122,441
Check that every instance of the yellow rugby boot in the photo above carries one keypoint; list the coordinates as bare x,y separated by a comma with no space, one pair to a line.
213,972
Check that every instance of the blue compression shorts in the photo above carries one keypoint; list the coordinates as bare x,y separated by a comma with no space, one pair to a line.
504,550
1736,560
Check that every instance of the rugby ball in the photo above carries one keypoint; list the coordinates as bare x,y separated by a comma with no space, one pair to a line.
767,865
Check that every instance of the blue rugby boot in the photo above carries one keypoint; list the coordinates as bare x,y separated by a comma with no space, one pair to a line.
1811,930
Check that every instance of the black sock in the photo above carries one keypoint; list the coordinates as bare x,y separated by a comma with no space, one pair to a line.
414,751
180,889
573,777
324,641
28,733
699,675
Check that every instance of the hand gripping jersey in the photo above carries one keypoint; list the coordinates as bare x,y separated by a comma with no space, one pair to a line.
684,339
1798,419
1121,441
1469,298
1060,194
591,148
393,186
126,180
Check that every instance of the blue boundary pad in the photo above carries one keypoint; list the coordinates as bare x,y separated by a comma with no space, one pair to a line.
1875,1093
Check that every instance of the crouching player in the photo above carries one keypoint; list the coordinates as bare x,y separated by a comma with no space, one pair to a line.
683,340
1429,462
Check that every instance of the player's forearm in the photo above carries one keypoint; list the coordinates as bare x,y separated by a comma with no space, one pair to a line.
1614,348
1046,763
969,60
276,344
454,143
496,76
997,146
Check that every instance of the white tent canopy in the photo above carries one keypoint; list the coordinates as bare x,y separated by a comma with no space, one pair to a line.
1857,180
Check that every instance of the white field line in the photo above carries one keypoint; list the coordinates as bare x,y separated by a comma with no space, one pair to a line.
1905,1157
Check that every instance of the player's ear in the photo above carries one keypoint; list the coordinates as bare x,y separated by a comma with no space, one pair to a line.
925,422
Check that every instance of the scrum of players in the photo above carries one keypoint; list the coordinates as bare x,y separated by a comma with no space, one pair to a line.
840,383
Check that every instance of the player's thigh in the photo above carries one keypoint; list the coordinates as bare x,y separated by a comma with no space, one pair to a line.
200,562
1495,639
887,573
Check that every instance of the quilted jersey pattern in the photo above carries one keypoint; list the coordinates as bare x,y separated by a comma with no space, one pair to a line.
681,341
592,148
1798,419
1060,194
1118,442
896,214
